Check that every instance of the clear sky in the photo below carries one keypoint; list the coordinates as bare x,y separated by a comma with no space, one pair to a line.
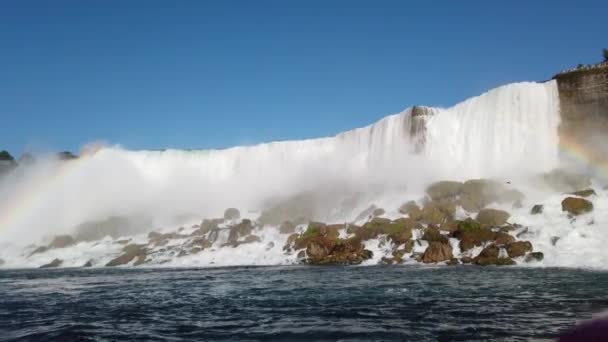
209,74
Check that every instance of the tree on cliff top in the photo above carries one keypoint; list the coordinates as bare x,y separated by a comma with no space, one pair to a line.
605,53
4,155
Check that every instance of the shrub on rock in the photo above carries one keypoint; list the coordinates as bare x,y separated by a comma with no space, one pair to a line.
576,205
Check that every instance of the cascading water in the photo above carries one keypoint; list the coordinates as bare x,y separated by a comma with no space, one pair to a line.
508,133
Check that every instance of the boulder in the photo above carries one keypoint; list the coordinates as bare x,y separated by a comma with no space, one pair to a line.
61,241
434,235
250,239
584,193
406,207
287,227
444,189
471,234
492,217
537,209
437,252
502,238
232,214
491,256
39,250
437,213
378,212
366,213
207,226
566,181
88,264
399,231
130,252
477,193
518,248
240,230
52,264
534,256
159,239
576,205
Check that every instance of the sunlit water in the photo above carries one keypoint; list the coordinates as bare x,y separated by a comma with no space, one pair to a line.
298,303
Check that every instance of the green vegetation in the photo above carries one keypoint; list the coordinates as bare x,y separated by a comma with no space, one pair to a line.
4,155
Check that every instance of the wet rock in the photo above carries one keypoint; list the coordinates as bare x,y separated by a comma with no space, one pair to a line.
444,189
52,264
88,264
438,213
207,226
200,243
250,239
399,231
518,248
471,234
287,227
61,241
453,262
584,193
378,212
130,252
466,260
534,256
554,240
502,238
2,262
367,213
434,235
437,252
566,181
537,209
39,250
492,217
407,207
491,256
240,230
576,205
232,214
477,193
159,239
114,227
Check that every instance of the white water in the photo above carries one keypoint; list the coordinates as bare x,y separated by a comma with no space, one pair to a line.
508,133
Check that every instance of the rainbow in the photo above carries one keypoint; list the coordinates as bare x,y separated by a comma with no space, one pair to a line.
33,195
573,150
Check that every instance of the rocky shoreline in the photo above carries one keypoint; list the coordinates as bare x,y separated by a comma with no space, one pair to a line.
429,231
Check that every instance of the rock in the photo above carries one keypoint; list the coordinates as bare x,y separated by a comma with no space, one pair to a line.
518,248
537,209
232,214
471,234
576,205
287,227
444,189
477,193
437,252
130,252
54,263
88,264
7,162
366,213
207,226
584,193
566,181
534,256
452,262
114,227
39,250
502,238
251,239
406,207
240,230
200,243
159,239
300,208
466,260
491,256
437,213
433,234
398,231
554,240
2,262
378,212
493,217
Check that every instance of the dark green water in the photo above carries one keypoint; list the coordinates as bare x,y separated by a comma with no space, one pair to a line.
297,303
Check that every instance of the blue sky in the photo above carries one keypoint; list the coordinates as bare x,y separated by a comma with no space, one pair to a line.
202,74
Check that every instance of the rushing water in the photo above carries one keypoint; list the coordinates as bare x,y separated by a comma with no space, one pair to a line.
298,303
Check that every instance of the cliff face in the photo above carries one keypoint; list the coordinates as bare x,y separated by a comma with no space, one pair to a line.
583,94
